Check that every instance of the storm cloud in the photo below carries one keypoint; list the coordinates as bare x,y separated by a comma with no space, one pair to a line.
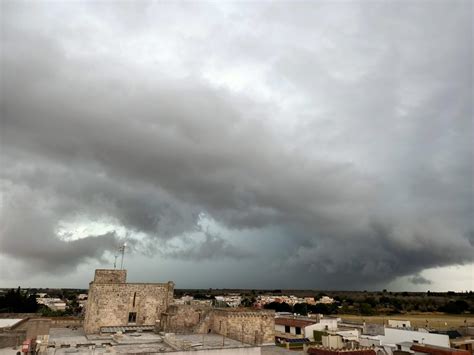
345,128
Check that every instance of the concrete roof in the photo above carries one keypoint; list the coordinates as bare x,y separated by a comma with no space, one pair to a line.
8,322
144,342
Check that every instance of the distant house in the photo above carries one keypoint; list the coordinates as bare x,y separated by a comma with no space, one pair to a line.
292,327
394,337
395,323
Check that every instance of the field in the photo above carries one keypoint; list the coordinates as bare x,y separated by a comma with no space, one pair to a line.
432,320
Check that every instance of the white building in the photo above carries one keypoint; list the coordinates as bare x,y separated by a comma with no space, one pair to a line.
56,304
321,326
394,336
395,323
349,335
325,300
332,341
293,327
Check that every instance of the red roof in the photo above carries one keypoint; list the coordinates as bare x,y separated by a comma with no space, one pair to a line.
437,350
293,322
319,351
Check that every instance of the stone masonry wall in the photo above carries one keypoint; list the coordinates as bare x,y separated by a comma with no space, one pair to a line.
109,304
251,327
110,276
245,325
183,318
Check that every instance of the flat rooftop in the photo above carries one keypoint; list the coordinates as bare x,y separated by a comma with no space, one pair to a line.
8,322
67,341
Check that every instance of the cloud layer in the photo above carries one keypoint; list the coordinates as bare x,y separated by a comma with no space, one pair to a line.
346,128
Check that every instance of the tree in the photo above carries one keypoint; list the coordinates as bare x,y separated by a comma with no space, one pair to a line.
321,308
279,307
455,307
18,301
301,308
248,301
366,309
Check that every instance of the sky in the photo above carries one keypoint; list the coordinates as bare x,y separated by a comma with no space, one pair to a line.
290,144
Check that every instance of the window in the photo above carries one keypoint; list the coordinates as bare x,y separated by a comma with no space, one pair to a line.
298,330
132,317
287,328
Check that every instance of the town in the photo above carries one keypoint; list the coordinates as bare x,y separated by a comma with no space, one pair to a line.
115,316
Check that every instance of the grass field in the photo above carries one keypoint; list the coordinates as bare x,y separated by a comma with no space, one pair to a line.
438,321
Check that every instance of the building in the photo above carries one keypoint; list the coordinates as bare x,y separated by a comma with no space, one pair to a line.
464,343
332,341
393,338
324,324
112,302
293,327
325,351
55,304
249,326
396,323
423,349
325,300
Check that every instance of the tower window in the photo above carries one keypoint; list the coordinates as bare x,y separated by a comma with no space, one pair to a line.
132,317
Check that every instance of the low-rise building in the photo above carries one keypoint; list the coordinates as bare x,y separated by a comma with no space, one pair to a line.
293,327
396,323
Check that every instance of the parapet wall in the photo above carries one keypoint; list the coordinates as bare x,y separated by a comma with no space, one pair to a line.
110,276
247,326
185,319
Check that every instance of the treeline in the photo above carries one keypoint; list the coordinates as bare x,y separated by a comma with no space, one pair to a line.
303,308
22,301
373,305
18,301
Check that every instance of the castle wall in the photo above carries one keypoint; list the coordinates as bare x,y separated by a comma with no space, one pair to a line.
185,319
110,276
110,303
251,327
245,325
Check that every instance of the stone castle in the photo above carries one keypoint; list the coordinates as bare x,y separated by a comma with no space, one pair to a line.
113,302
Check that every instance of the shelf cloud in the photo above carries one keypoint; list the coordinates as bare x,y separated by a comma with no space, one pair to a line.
345,128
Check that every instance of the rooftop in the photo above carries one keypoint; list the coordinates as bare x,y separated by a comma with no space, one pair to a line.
66,340
8,322
293,322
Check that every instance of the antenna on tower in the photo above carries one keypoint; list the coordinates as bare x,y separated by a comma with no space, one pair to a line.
122,249
115,261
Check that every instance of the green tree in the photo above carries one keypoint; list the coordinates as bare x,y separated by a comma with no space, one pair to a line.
301,308
366,309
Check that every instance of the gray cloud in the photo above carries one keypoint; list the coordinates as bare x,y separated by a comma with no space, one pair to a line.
419,280
28,233
210,248
355,143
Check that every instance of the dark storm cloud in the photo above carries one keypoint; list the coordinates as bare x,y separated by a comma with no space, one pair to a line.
362,158
28,233
211,248
419,280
